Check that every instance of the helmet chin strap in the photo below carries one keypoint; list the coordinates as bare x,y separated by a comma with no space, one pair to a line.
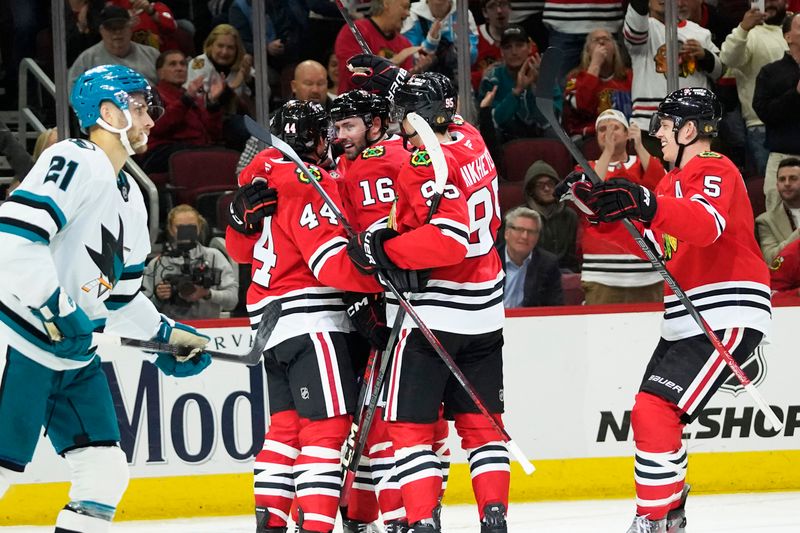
682,146
122,132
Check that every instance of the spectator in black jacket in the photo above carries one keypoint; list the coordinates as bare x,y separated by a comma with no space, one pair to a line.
776,101
532,275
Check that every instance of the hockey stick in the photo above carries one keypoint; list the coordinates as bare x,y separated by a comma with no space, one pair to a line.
551,62
269,318
262,134
353,29
359,431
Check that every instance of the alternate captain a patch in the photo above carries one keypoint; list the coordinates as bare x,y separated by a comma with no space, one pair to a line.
421,158
373,151
314,171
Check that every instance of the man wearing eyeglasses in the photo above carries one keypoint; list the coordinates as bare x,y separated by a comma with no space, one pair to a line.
532,275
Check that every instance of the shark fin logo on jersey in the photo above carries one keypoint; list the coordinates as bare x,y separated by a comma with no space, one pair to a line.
373,151
314,171
108,260
80,143
670,246
421,158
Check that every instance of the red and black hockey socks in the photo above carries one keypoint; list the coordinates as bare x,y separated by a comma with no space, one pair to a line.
489,463
273,479
661,460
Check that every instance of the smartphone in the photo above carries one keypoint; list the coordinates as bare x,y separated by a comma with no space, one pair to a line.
758,4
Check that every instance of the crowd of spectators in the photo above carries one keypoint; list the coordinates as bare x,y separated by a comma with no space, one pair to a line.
199,56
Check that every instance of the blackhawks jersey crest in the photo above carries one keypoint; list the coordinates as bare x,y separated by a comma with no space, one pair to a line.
314,171
373,151
421,158
670,246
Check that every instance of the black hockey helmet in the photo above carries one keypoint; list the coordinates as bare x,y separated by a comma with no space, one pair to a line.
360,103
687,104
301,124
430,95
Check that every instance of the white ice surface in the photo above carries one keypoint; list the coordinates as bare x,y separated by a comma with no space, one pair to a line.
736,513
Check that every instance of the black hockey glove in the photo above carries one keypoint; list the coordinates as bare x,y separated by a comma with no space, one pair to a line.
367,313
405,280
618,198
376,74
366,250
577,189
250,205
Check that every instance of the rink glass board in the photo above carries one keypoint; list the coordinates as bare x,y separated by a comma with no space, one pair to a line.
570,379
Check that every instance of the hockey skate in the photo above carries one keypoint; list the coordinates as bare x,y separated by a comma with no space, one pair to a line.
354,526
396,526
494,519
676,518
642,524
262,516
424,526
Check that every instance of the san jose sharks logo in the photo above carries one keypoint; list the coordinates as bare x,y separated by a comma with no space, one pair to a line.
109,260
421,158
754,368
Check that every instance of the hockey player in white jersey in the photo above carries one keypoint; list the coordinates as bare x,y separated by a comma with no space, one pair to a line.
74,239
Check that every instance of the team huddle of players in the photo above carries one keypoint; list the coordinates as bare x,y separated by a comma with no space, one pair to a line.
76,230
439,254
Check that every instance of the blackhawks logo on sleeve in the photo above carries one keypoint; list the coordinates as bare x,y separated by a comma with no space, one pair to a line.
421,158
373,151
670,246
314,171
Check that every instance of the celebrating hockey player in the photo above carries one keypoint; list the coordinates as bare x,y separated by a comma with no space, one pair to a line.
298,257
462,303
75,238
701,216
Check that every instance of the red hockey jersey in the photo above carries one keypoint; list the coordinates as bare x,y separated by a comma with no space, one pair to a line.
300,256
464,296
610,255
367,186
704,224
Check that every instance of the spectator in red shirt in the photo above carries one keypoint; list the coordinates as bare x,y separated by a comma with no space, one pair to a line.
600,82
497,13
192,118
381,31
784,272
153,23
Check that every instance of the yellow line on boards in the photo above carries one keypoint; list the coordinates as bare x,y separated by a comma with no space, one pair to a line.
567,479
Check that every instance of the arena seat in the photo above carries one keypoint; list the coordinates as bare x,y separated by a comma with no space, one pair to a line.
571,285
510,195
519,154
755,191
199,177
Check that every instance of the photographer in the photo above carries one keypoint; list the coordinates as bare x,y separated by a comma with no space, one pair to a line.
189,280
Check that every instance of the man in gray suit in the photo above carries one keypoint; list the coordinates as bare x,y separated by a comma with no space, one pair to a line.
780,225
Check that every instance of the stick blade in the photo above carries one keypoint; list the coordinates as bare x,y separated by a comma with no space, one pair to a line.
433,148
269,319
548,72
